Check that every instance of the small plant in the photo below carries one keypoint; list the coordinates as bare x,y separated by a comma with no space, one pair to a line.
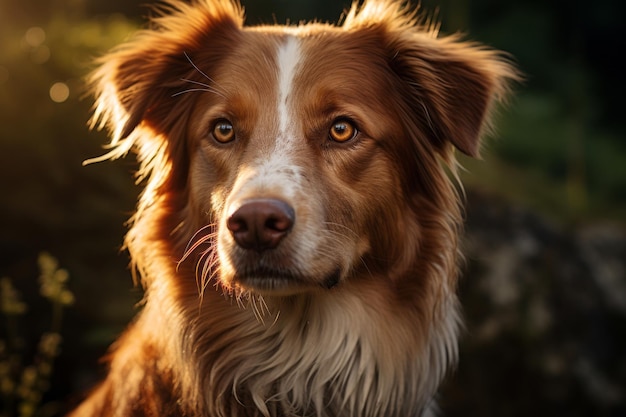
22,386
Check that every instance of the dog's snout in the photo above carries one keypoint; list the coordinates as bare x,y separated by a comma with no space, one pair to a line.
261,224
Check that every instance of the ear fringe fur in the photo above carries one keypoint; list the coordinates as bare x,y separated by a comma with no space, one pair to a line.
396,15
172,18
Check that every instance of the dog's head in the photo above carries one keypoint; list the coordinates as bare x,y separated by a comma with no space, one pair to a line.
300,156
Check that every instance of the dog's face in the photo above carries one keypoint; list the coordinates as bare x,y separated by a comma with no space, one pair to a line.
302,156
293,154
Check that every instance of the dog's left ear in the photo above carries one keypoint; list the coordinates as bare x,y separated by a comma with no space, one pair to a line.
451,84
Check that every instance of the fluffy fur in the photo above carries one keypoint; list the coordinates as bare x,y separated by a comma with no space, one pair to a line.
354,312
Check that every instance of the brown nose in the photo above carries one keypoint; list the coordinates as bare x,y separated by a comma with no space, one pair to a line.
260,224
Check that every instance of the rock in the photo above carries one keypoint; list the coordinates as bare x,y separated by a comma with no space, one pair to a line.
546,316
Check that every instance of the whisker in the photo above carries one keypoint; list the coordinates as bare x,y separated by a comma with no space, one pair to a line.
196,67
264,304
196,82
190,248
201,230
341,226
205,259
209,271
255,309
191,90
276,318
367,268
198,273
240,302
211,87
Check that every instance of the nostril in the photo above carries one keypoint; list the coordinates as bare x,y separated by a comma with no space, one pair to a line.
279,223
236,223
261,224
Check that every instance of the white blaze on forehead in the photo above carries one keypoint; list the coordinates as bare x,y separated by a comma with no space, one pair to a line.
274,171
288,59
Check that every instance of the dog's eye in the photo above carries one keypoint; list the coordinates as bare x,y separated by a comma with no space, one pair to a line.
342,130
223,131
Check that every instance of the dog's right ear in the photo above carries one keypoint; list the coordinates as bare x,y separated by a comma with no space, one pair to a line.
137,83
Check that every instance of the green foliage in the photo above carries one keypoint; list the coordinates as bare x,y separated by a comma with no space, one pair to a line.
555,151
22,386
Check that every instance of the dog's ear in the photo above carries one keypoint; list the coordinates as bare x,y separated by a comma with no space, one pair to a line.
139,82
452,85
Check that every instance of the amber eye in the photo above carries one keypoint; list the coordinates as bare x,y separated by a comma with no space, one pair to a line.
223,131
342,130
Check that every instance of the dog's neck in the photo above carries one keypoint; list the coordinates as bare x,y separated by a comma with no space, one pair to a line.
327,353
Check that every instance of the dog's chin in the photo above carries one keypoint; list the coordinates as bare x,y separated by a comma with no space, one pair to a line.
283,283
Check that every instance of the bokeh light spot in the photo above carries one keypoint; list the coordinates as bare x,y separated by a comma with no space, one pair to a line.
35,36
59,92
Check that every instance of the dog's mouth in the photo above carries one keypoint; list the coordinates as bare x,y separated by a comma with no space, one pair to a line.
274,281
261,249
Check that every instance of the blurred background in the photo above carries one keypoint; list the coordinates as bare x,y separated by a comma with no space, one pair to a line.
544,287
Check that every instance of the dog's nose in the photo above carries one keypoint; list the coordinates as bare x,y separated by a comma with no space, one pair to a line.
261,224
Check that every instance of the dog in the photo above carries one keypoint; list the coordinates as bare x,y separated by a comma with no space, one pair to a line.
298,234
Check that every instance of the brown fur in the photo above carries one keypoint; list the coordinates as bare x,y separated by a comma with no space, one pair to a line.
366,324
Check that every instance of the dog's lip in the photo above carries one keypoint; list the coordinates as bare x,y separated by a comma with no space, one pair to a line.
269,280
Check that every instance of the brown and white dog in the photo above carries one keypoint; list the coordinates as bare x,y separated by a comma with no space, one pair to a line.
297,238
